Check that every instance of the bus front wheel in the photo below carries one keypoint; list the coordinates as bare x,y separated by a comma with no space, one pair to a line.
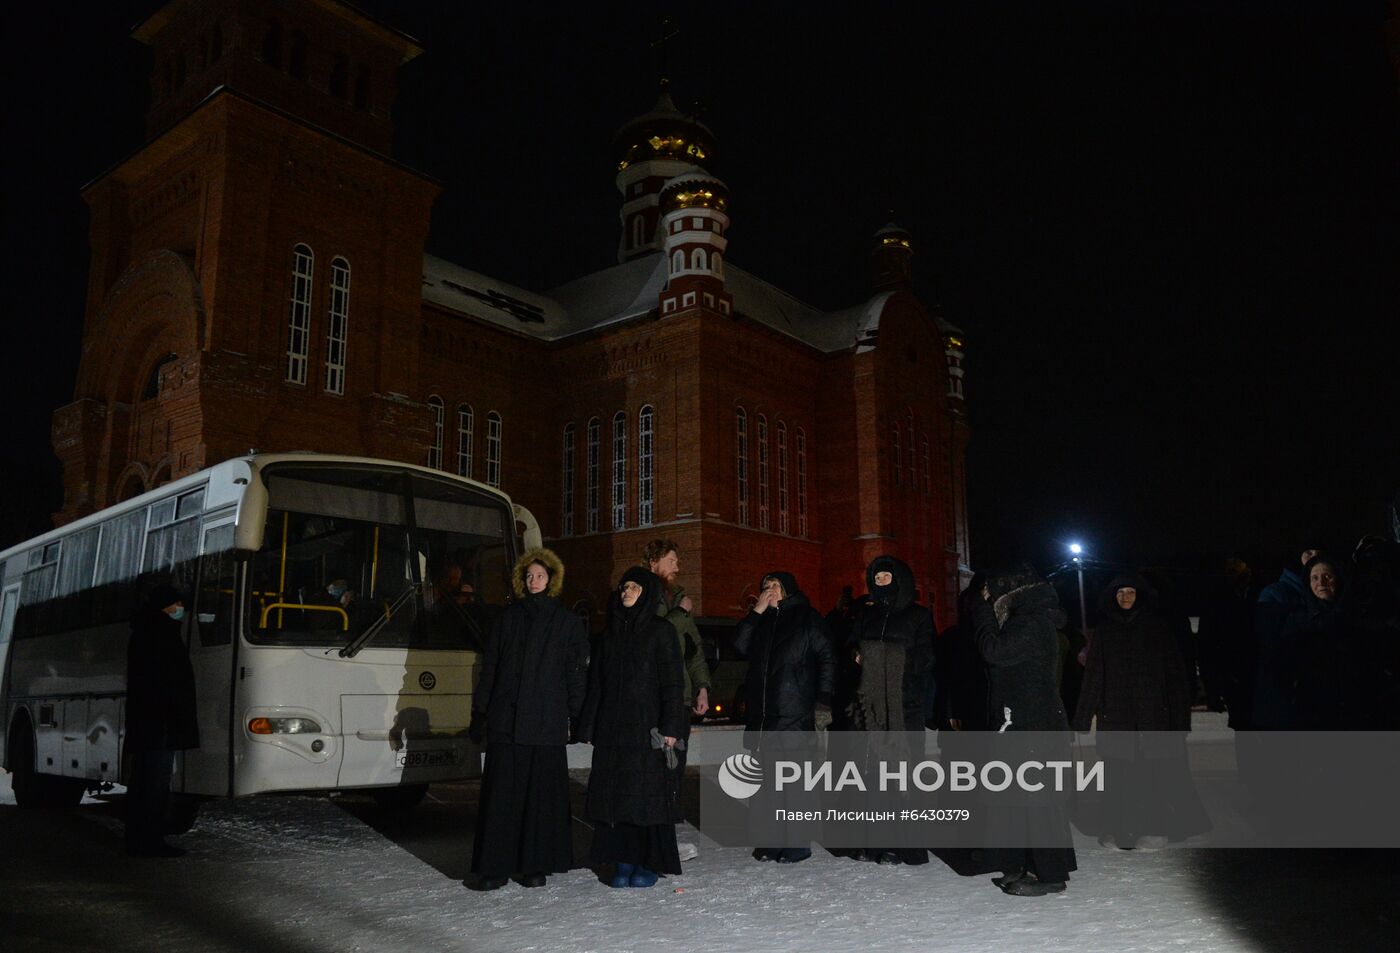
401,798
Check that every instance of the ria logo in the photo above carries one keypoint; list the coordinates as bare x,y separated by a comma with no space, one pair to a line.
740,776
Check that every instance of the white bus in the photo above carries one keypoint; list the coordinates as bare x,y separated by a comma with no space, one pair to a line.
296,690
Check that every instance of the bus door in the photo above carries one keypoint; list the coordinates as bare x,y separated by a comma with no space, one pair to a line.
9,602
212,638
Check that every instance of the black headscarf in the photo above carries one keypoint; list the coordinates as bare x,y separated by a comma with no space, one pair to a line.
785,579
1146,597
622,617
900,592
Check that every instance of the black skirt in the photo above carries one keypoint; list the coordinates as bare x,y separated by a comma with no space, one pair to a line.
523,821
652,846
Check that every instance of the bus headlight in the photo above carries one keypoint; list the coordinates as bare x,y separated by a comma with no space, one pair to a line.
283,726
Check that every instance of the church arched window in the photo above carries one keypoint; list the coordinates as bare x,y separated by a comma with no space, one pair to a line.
493,449
801,438
619,471
299,318
717,264
337,326
466,422
638,226
763,522
591,466
435,413
783,524
698,262
678,262
646,486
741,462
566,504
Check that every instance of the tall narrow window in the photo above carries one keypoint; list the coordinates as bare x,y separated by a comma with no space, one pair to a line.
717,264
698,262
299,321
801,483
619,471
591,463
296,62
362,87
637,225
783,524
466,423
741,461
566,504
928,474
762,472
493,449
913,460
272,45
645,459
898,459
435,410
340,77
678,262
338,326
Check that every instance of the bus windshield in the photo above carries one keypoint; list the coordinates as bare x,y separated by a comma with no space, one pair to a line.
344,545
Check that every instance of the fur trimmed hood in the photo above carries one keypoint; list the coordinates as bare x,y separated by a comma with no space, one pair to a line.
546,558
1035,597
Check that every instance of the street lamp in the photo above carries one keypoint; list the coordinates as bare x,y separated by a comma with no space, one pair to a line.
1076,552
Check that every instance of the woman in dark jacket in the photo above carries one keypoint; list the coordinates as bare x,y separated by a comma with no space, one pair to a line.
1016,629
160,717
792,672
893,636
1338,683
533,675
635,710
1135,684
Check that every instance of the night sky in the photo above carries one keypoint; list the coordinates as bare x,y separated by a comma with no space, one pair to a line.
1172,240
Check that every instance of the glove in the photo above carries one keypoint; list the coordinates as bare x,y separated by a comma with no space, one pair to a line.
476,731
823,717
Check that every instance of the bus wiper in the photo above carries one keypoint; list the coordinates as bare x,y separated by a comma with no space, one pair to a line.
352,648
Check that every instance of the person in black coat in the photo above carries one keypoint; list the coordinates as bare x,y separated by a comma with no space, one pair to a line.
790,679
1336,679
635,710
160,717
1135,686
1016,626
894,644
533,677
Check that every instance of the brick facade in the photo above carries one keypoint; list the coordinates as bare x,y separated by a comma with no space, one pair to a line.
192,299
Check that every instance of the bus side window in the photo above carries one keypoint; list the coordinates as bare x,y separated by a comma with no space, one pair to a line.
214,608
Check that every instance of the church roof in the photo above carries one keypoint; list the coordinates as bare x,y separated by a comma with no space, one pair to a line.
630,290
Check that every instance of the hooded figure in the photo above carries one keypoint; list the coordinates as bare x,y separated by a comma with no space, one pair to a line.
1134,684
533,675
894,636
791,665
635,692
1016,633
894,640
160,717
1134,678
792,673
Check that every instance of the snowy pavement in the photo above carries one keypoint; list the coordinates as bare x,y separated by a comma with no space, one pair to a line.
306,875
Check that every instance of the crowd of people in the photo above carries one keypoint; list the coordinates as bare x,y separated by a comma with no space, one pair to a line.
633,698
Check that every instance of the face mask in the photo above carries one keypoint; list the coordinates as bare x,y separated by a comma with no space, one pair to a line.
178,613
336,591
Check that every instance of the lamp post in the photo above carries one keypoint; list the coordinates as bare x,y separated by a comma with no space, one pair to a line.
1076,552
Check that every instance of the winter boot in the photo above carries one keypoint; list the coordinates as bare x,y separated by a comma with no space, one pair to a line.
623,876
642,877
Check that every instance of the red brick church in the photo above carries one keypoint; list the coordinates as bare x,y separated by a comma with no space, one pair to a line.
258,280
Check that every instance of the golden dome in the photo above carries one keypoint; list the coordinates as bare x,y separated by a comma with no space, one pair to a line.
694,191
664,133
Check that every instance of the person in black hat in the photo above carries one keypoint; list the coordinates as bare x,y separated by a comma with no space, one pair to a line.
160,717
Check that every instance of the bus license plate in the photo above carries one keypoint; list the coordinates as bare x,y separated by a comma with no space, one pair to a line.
426,759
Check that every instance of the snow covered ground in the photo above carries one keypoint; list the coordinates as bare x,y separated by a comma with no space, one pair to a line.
305,875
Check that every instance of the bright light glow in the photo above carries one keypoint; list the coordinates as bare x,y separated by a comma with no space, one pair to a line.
1076,548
